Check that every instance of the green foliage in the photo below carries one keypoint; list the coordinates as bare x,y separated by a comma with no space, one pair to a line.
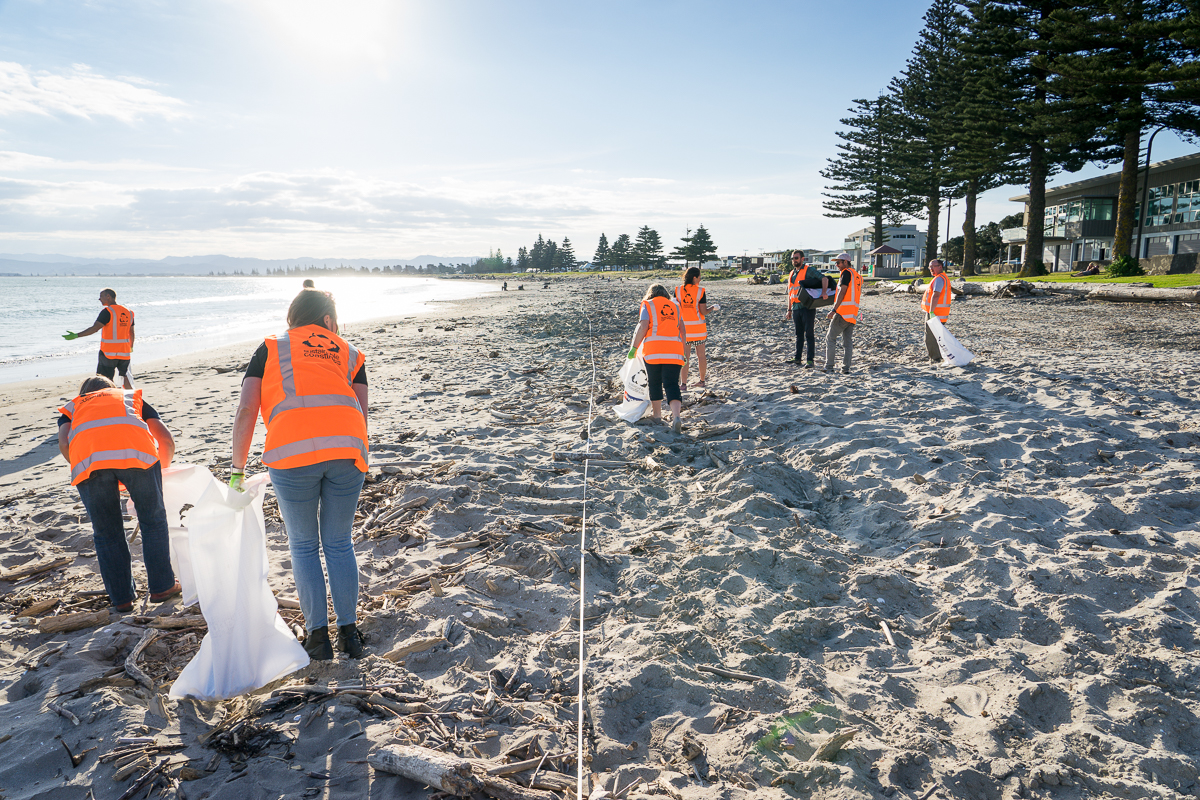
647,250
621,254
868,176
1124,267
696,246
787,729
600,259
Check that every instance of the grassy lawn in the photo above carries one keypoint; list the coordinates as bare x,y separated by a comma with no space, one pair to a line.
1157,281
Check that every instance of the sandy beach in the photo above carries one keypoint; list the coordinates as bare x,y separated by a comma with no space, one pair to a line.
981,582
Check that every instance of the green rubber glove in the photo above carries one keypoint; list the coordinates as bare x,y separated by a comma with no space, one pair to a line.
633,352
236,480
69,336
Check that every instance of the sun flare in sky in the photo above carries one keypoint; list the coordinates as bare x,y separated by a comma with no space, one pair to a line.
377,129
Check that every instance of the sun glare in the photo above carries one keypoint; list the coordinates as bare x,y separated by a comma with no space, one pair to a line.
346,34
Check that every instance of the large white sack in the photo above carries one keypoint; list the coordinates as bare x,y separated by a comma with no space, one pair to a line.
954,353
223,535
636,400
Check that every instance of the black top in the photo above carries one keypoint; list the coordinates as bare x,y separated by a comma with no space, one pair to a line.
258,366
148,412
103,317
846,278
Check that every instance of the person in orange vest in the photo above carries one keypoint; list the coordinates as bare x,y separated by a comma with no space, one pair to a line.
660,338
693,301
936,303
845,313
310,387
802,278
116,341
112,437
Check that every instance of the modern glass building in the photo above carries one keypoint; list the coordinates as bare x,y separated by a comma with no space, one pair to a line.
1080,218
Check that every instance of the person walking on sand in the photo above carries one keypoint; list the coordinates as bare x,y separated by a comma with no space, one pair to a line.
845,313
693,301
805,318
661,338
935,302
310,386
116,340
112,437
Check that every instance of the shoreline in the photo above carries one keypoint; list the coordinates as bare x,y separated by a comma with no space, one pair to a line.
991,574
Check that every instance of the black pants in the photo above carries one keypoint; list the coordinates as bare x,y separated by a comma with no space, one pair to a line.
111,367
664,377
806,320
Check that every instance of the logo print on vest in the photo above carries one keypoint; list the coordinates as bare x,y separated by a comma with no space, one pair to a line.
323,346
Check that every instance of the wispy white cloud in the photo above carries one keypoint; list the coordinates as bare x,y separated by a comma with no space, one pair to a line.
81,93
268,213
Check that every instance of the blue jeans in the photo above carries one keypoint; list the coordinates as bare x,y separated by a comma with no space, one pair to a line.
317,504
102,499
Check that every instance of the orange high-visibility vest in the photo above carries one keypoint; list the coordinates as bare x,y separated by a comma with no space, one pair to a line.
308,402
114,336
108,432
794,284
662,344
689,296
939,304
848,308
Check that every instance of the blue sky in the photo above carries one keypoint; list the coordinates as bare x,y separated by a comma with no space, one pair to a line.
365,128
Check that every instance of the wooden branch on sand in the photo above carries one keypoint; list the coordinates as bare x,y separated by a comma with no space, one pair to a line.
131,667
35,569
460,777
729,673
65,623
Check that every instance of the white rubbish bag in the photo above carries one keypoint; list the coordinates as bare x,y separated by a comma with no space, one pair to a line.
954,353
636,400
219,550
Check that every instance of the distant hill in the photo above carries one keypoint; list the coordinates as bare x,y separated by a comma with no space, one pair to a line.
37,264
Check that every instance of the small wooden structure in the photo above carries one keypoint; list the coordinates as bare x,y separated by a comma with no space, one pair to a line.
885,262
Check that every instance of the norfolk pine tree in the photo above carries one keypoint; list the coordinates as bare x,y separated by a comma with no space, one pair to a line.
696,246
1135,59
621,253
567,254
647,249
602,251
864,177
928,89
1049,132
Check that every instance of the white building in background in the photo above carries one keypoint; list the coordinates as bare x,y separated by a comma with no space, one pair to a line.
905,238
1079,223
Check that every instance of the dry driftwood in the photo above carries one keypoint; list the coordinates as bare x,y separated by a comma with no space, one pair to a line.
35,569
65,623
457,776
413,646
1117,293
131,667
40,607
175,623
729,673
829,750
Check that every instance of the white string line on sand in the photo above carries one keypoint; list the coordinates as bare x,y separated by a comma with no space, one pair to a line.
582,554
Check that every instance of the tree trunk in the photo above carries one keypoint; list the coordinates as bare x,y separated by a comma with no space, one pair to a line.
1035,227
934,206
878,235
968,265
1127,198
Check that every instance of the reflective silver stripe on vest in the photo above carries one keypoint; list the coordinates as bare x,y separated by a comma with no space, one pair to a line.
69,409
114,341
351,360
102,423
288,384
112,455
314,445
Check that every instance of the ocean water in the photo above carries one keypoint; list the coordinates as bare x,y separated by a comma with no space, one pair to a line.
181,315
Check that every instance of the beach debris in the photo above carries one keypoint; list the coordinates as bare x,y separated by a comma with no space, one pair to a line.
76,758
35,569
690,749
478,392
39,608
64,713
729,673
65,623
459,777
131,667
413,646
887,632
919,479
833,745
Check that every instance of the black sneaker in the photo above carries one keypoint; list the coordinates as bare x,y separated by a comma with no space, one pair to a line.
793,361
351,641
317,644
845,370
809,365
